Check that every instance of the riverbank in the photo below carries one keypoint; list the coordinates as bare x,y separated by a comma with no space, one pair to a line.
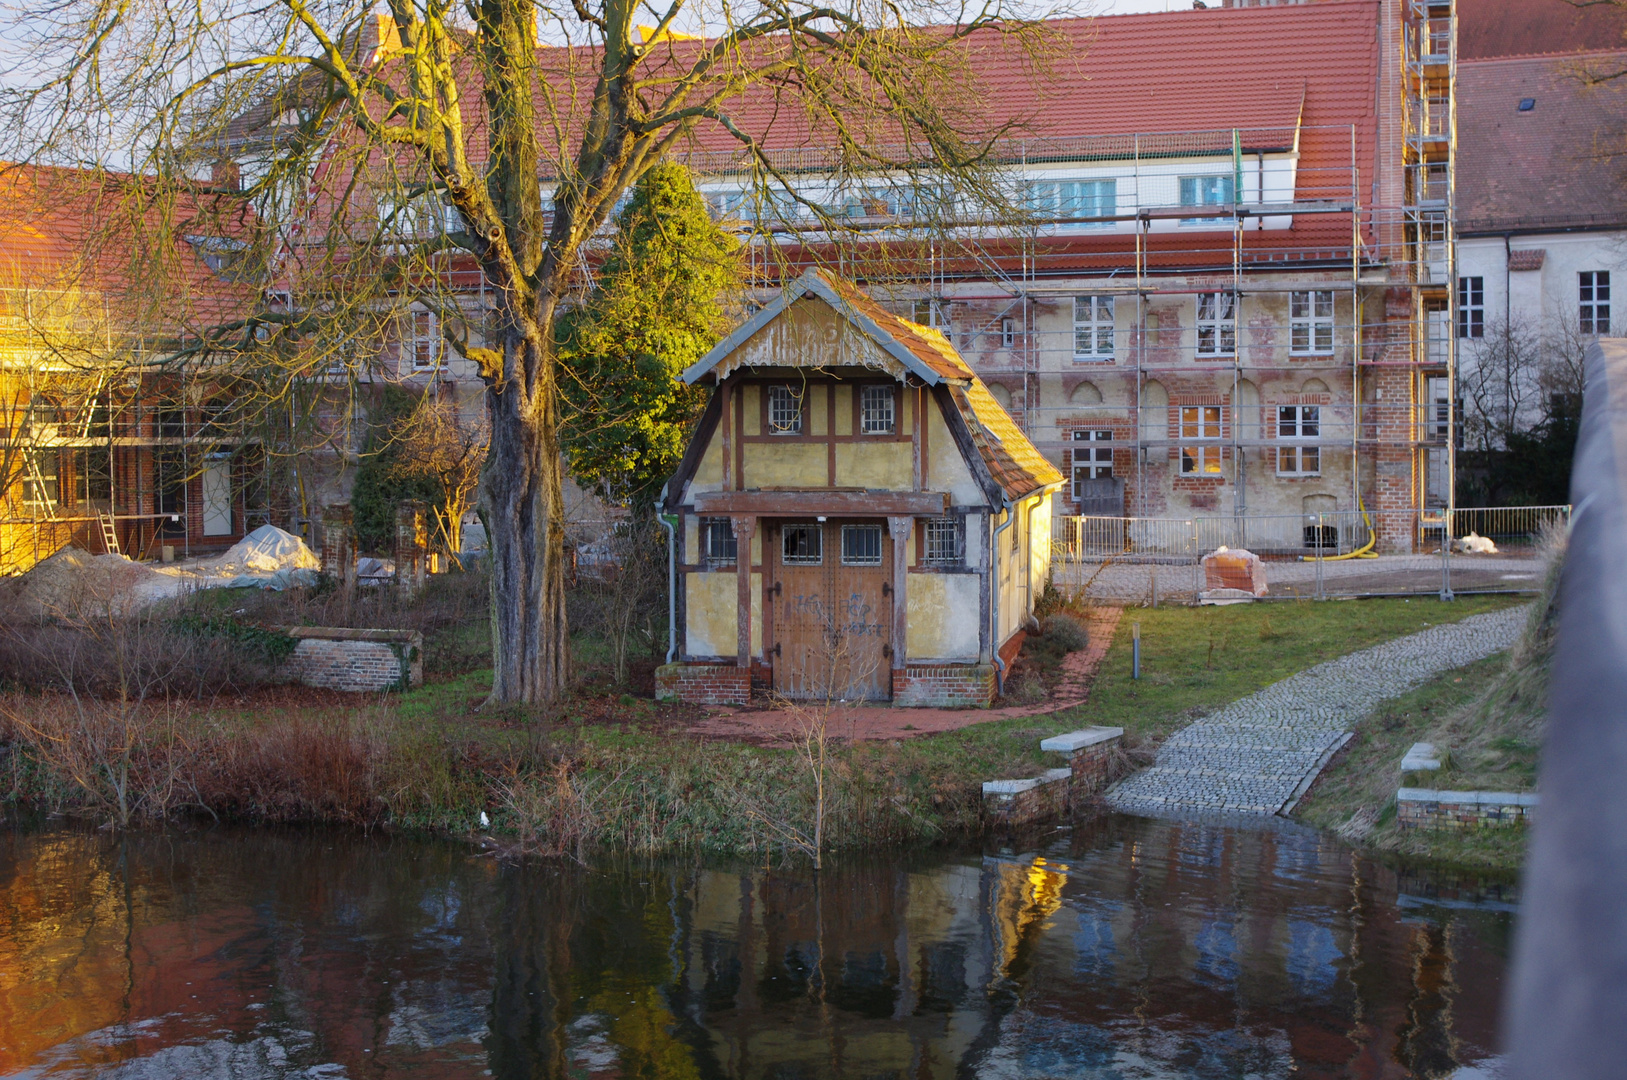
1486,721
607,769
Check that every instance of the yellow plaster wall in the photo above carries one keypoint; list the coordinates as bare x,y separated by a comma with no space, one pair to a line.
709,474
948,471
844,410
784,464
942,618
692,540
818,410
751,408
711,627
886,465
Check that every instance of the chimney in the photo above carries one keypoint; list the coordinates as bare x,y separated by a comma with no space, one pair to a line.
225,175
379,33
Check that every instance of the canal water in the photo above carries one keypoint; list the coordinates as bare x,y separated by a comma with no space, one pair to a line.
1121,948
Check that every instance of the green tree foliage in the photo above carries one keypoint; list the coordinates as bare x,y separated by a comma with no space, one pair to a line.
658,305
381,482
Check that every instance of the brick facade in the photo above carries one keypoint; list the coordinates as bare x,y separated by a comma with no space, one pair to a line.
703,684
947,686
359,661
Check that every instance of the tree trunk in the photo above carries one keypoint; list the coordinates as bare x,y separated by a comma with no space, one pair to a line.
523,498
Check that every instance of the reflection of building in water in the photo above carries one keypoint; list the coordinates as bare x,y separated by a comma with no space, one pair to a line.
1133,947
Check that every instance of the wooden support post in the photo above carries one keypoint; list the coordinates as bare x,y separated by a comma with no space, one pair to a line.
902,530
744,527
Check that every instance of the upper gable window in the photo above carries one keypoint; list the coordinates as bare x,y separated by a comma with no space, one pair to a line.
876,410
785,410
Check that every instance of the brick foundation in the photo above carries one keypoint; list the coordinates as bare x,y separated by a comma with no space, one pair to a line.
359,661
947,687
1430,809
703,684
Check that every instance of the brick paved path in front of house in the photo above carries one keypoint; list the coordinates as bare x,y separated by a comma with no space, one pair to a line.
1252,756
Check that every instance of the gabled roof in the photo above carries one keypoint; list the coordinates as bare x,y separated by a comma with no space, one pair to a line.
925,353
1013,462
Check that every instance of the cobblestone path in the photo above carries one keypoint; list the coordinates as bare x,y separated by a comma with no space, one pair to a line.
1252,756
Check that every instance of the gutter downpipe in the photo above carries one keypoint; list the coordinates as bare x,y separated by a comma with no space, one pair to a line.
994,594
669,522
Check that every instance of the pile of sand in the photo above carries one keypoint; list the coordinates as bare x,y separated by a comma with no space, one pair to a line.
76,584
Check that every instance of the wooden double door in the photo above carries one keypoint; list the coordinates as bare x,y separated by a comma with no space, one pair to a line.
831,598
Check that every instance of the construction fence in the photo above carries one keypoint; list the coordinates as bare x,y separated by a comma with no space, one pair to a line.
1317,556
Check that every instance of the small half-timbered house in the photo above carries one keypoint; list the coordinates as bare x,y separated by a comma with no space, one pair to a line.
856,517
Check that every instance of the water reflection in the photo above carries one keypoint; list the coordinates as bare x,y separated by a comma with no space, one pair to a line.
1127,948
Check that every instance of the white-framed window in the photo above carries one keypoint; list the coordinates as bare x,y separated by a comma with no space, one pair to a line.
802,545
1200,440
420,217
1310,322
426,345
861,545
944,541
876,410
785,410
1093,328
1207,191
1074,199
1471,307
727,204
1217,323
1595,301
1008,332
718,541
1299,426
1092,457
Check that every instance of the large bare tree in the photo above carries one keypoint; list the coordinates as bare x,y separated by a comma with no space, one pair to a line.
387,149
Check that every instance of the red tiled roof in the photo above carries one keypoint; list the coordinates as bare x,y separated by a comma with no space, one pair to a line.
1014,462
109,238
1529,259
1559,165
1492,28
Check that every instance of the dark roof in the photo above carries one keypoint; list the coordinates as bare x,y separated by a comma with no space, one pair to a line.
1560,164
1493,28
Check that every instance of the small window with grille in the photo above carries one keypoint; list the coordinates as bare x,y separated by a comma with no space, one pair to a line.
802,545
876,410
717,536
785,410
944,546
861,545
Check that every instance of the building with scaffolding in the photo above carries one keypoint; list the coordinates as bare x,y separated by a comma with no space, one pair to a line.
107,442
1231,294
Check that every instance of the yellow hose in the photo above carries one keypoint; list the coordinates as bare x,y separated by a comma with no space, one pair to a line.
1365,551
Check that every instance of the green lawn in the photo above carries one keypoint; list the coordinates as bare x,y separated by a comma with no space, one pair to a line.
1194,660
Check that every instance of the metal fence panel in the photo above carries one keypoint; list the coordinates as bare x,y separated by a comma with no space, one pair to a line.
1344,553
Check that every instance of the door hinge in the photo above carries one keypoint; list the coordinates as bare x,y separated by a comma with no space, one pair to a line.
886,588
887,651
776,648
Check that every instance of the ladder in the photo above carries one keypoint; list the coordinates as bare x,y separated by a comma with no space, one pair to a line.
110,538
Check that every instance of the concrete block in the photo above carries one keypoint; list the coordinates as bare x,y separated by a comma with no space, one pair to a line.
1073,741
1421,757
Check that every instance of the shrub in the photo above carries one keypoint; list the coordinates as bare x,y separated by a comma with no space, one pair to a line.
1066,630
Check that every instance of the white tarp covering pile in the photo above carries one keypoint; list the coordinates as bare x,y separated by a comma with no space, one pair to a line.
74,582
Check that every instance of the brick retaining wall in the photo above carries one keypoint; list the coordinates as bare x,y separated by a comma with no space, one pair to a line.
340,658
948,686
703,684
1093,763
1428,808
